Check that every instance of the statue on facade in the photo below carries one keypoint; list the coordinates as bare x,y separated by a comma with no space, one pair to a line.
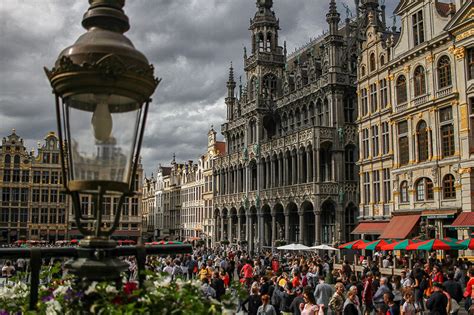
341,195
340,132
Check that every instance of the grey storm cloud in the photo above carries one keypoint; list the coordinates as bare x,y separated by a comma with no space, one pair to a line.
190,42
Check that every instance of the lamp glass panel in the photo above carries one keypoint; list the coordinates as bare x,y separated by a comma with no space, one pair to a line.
102,133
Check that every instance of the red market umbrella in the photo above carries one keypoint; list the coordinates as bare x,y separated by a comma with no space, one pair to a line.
74,241
435,244
353,245
399,245
375,245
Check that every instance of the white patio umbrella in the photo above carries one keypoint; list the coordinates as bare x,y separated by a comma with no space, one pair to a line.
323,247
293,247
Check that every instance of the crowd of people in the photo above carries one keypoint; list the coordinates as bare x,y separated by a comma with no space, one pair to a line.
309,284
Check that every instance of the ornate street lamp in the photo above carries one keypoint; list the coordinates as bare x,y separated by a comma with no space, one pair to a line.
103,87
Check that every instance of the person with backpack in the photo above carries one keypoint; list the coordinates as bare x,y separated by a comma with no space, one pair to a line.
253,302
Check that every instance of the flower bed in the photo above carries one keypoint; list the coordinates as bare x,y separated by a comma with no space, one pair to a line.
159,295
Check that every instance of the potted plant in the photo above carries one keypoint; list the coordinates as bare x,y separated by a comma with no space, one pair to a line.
279,243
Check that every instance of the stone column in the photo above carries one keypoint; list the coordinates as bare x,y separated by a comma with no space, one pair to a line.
250,238
285,170
239,228
273,230
268,173
317,165
261,231
280,172
299,157
287,228
294,169
301,223
222,228
317,227
309,166
229,229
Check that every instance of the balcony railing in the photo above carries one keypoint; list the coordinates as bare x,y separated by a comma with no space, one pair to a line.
401,107
420,100
444,92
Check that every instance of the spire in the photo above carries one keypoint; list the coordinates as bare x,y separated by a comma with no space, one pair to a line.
264,4
231,82
333,17
231,73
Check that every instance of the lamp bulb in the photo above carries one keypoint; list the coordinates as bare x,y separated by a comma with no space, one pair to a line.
102,122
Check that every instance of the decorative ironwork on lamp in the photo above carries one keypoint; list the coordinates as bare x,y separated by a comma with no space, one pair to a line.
103,87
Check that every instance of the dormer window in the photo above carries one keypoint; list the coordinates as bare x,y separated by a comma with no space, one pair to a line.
418,28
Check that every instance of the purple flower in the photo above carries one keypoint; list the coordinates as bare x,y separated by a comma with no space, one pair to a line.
47,298
3,312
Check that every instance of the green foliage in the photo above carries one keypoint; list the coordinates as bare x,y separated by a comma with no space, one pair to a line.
159,295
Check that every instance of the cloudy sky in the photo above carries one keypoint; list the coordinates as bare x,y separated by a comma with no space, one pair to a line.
190,43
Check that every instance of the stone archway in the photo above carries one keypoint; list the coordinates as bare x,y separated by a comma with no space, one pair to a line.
328,222
252,228
242,236
293,228
266,236
233,225
308,233
279,213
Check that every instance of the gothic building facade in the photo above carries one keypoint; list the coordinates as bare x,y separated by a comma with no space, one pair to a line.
289,172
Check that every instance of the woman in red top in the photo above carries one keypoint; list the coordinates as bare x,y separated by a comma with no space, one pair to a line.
468,293
437,275
275,265
225,277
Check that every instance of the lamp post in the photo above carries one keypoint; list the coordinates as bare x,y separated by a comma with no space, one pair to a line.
102,86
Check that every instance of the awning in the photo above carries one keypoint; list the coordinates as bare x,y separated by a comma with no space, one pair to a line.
439,213
464,219
371,228
400,226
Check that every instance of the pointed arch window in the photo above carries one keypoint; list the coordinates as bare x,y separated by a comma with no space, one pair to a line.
269,45
422,139
404,192
8,160
449,191
312,115
420,81
319,109
260,42
444,72
270,85
252,88
350,162
401,89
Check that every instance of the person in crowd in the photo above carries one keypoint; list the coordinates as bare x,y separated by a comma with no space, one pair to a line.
336,303
437,275
299,299
323,293
266,308
286,298
408,307
247,272
453,288
309,307
438,302
351,306
405,280
207,290
367,294
8,270
218,284
469,291
391,307
397,290
253,302
378,298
